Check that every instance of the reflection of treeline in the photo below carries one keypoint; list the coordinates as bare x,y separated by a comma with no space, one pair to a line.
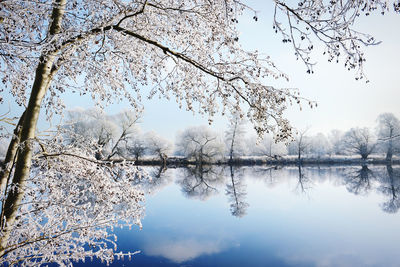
385,180
119,137
257,161
204,181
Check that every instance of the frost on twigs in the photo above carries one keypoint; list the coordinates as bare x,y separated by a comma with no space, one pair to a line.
331,23
70,204
111,50
111,134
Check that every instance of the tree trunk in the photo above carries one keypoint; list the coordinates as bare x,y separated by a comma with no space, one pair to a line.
364,156
40,85
201,156
389,169
234,186
299,155
389,155
24,155
389,152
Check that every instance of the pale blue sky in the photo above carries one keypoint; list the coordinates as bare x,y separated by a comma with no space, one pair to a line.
342,102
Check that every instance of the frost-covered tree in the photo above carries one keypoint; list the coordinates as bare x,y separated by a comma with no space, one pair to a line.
319,145
359,141
70,200
388,130
136,146
157,145
200,144
128,129
110,132
189,50
91,125
335,139
235,136
300,144
73,194
267,146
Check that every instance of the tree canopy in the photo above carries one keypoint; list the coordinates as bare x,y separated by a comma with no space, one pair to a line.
187,50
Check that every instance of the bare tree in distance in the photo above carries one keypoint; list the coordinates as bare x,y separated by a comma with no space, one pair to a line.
91,124
335,139
234,136
136,146
267,147
359,141
301,144
111,132
200,144
127,121
388,130
159,146
319,145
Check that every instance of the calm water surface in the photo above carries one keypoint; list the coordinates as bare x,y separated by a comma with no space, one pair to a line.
262,216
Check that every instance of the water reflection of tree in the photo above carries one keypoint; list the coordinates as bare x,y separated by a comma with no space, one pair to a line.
304,183
390,187
274,174
358,181
268,174
236,192
158,177
200,181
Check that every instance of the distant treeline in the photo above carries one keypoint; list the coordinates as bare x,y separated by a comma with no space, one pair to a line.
119,137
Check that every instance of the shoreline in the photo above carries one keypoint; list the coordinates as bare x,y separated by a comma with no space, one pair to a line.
176,162
181,162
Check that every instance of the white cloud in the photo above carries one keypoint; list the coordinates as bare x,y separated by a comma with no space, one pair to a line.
182,250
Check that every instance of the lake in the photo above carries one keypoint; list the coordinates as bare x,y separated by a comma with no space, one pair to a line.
267,216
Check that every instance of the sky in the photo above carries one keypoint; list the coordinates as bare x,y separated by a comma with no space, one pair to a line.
342,101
